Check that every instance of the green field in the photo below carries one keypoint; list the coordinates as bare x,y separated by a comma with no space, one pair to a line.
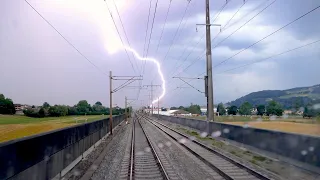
17,126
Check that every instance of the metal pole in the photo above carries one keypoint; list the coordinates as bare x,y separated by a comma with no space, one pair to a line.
158,107
151,99
110,111
209,66
125,108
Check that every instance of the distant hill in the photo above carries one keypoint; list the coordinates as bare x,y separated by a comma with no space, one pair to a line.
290,98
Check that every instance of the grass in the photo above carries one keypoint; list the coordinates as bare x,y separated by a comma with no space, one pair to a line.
18,126
259,158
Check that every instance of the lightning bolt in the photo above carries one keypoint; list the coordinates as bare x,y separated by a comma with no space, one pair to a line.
163,86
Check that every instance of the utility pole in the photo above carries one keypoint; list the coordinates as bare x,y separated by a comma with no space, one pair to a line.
110,109
158,107
125,108
151,85
128,80
209,65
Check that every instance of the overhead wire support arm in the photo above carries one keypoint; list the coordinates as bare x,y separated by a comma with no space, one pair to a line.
181,78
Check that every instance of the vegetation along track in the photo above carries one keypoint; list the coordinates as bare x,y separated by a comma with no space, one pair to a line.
225,166
144,160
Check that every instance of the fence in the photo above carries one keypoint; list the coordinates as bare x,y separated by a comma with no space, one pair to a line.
45,155
299,147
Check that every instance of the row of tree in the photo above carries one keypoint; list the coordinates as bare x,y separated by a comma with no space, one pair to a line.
6,105
273,108
193,109
82,108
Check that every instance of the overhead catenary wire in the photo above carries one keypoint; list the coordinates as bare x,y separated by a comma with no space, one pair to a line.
115,25
66,39
124,30
274,32
164,25
204,51
270,57
154,16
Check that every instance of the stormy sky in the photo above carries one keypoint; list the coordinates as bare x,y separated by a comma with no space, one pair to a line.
38,65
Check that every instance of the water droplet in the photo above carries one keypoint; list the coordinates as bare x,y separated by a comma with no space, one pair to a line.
46,158
147,149
301,109
216,134
203,134
160,145
168,143
259,119
182,141
273,117
140,153
226,130
285,116
316,106
304,152
68,156
245,125
76,172
311,148
94,167
192,138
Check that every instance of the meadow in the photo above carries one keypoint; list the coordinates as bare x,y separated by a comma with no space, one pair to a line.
291,124
18,126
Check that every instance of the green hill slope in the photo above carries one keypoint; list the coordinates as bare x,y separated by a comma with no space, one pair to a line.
290,98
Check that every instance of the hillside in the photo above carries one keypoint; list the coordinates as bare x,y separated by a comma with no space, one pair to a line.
289,98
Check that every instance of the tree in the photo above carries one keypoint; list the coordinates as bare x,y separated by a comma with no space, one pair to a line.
181,107
245,109
41,112
83,106
6,105
221,109
46,105
310,112
173,108
232,110
261,109
194,109
58,110
98,103
274,108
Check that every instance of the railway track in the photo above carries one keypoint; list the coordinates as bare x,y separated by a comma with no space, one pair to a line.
223,165
144,160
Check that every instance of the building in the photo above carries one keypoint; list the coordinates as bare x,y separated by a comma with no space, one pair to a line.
203,110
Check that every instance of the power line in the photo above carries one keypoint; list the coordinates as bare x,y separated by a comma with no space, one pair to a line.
204,52
145,38
115,25
165,22
267,36
154,15
124,30
233,15
270,57
66,39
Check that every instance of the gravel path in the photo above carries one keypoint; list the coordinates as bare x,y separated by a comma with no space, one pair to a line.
111,164
183,163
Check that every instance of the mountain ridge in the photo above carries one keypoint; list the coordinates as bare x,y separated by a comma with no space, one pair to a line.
288,98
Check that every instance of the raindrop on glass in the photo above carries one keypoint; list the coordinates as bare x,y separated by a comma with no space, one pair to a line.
94,167
139,153
272,118
259,119
46,158
311,148
76,172
245,125
203,134
216,134
160,145
301,109
192,138
147,149
316,106
68,156
226,130
168,143
285,116
304,152
182,141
